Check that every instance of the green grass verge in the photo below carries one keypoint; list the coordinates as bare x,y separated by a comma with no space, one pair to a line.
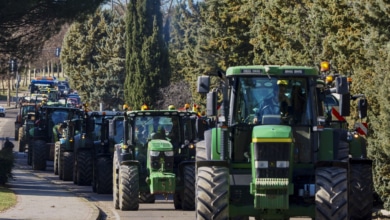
7,198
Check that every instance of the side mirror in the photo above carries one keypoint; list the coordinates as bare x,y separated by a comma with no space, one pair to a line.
211,105
345,105
203,85
362,107
342,86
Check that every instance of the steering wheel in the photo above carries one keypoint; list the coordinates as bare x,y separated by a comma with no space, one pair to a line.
269,108
247,119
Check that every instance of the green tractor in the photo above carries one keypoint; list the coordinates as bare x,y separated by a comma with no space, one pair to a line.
42,138
273,153
156,157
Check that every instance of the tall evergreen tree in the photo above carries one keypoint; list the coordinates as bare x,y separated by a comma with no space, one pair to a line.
183,44
93,57
147,66
372,78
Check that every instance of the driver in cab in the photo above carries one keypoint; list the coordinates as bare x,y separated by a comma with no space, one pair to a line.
276,103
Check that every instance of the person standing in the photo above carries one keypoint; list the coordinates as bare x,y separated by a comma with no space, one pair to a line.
8,145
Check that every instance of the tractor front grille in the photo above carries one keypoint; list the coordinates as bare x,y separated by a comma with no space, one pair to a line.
161,161
272,160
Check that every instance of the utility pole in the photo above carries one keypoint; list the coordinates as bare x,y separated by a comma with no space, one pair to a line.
13,68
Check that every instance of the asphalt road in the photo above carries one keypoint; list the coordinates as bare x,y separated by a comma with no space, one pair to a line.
161,209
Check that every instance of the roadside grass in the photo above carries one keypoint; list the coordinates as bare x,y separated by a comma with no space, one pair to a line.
7,198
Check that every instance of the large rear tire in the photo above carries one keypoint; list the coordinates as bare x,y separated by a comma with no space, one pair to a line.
331,193
212,190
104,175
360,191
39,154
128,188
188,195
84,168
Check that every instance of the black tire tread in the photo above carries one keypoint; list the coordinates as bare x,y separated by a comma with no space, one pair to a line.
39,154
360,191
104,175
84,168
212,190
188,196
128,188
331,193
67,168
22,140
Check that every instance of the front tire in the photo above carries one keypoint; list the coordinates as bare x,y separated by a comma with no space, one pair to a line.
128,188
84,168
331,193
188,195
67,168
104,176
22,140
56,157
146,197
39,154
212,190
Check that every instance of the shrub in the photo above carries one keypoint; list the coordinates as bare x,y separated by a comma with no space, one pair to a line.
6,165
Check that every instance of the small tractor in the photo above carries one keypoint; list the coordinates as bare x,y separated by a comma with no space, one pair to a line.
157,156
24,122
274,153
26,108
64,148
42,140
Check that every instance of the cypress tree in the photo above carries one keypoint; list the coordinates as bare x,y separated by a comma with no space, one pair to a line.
147,66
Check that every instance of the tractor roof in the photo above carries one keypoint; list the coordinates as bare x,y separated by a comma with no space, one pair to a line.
282,70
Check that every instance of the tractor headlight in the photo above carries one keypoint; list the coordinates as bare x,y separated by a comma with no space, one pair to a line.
282,164
124,146
261,164
154,153
168,153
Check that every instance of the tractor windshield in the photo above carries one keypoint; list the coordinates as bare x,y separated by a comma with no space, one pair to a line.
157,127
59,116
263,100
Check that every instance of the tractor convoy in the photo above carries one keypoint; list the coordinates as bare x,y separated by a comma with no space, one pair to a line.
274,143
